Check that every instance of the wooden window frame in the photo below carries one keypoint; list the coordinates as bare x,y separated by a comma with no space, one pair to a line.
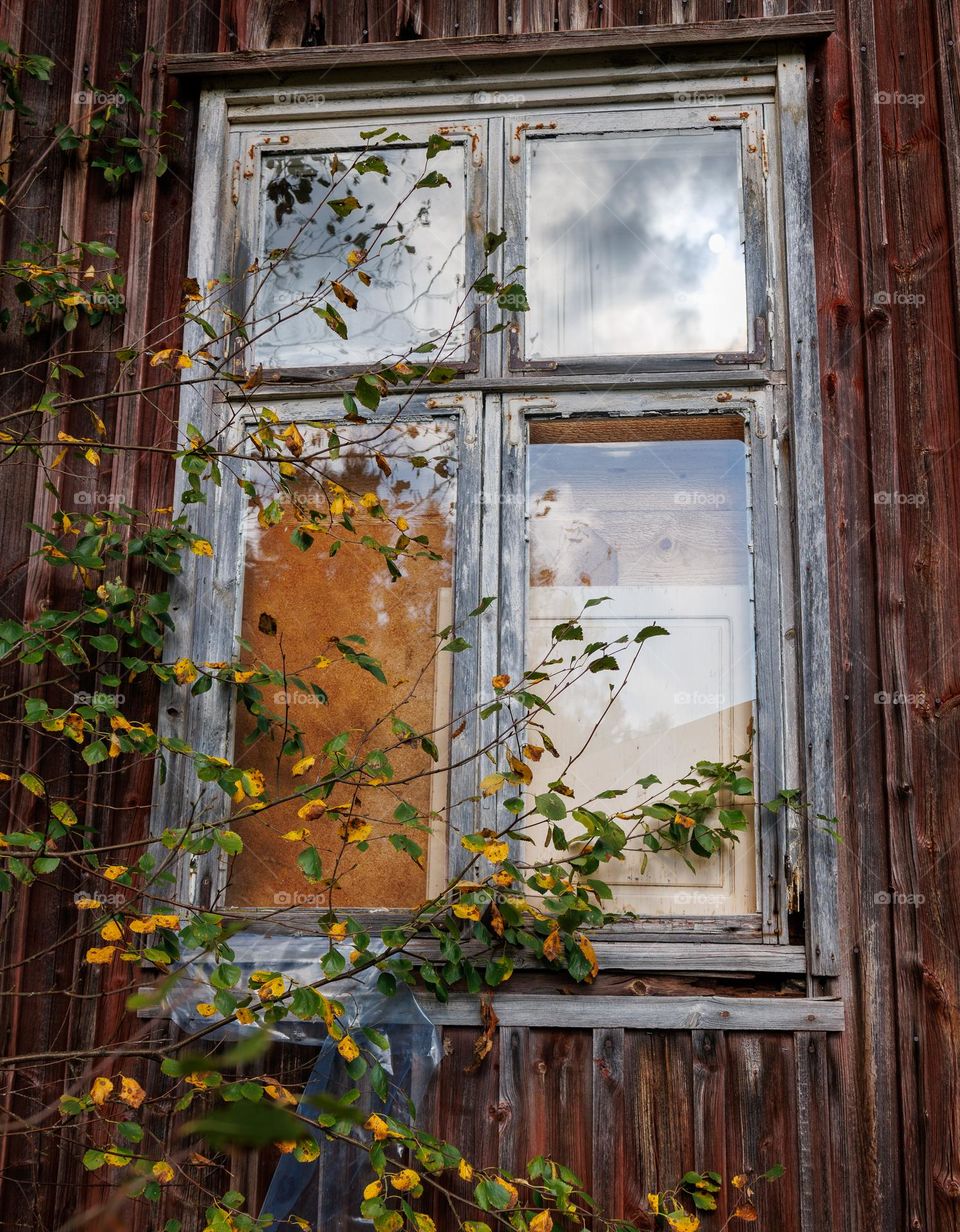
778,396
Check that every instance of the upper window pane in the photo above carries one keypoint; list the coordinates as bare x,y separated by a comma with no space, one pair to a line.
635,245
414,240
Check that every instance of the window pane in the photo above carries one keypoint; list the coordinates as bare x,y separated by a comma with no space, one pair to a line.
313,597
654,515
415,238
635,246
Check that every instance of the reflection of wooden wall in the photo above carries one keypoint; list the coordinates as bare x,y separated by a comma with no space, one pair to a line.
867,1126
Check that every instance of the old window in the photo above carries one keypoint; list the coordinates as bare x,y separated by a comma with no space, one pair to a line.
636,437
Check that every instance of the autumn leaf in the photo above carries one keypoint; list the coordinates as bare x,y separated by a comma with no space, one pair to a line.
587,950
163,1172
348,1049
302,766
496,852
100,954
746,1211
405,1180
541,1222
131,1092
553,949
518,767
201,547
101,1091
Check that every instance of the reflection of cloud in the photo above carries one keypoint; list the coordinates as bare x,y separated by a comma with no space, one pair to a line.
635,246
418,271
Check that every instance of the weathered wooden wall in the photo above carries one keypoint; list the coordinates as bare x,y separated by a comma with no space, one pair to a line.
868,1125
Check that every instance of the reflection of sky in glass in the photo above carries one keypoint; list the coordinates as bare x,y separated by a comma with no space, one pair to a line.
662,528
417,268
635,246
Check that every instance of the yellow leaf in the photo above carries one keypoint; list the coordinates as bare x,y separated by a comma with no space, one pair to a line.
111,931
184,672
490,784
377,1126
273,988
280,1094
245,1016
302,766
307,1151
113,871
92,456
146,924
405,1179
355,830
101,1090
115,1160
511,1190
166,921
373,1190
541,1222
348,1049
466,911
296,836
205,1009
587,950
739,1181
337,932
201,547
184,361
160,356
502,878
87,904
163,1172
131,1092
497,852
402,524
100,954
500,682
553,945
654,1202
312,810
464,1171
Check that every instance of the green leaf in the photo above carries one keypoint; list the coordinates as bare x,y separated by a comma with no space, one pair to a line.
551,806
229,841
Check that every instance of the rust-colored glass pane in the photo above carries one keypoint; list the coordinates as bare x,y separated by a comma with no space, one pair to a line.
314,597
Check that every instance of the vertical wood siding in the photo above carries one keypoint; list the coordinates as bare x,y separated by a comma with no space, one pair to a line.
867,1125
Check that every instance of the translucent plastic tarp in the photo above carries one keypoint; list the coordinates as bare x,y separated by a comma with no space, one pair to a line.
327,1191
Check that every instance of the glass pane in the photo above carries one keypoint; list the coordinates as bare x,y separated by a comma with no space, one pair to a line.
652,514
313,596
414,239
635,246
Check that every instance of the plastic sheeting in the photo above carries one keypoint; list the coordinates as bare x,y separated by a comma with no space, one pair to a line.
327,1191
